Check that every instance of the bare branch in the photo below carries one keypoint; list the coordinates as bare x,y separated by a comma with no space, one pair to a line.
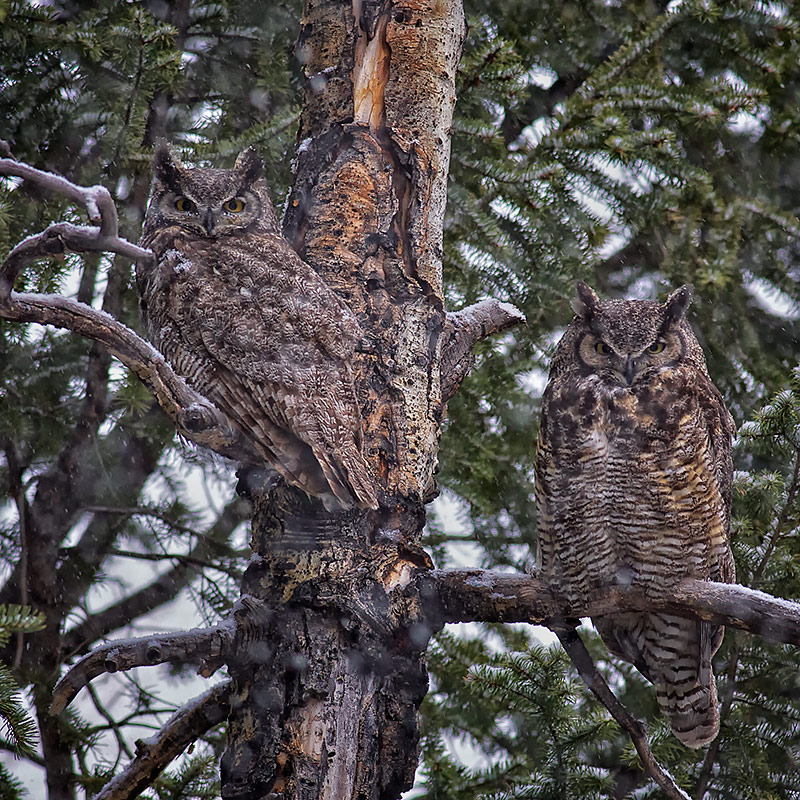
576,650
103,237
200,645
194,416
463,329
487,596
166,586
156,753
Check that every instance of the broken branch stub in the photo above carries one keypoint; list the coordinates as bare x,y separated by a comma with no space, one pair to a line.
463,330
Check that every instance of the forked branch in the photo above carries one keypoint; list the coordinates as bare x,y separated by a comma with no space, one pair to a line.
103,237
194,417
206,647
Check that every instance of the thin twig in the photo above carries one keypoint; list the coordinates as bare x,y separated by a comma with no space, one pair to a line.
112,723
576,650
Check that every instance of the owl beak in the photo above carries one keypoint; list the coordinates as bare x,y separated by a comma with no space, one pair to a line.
629,370
208,221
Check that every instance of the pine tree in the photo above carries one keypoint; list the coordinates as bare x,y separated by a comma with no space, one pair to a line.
639,146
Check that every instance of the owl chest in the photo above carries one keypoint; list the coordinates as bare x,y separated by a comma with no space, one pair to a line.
619,431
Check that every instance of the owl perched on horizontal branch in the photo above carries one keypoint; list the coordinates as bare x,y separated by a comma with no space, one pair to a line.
633,485
253,327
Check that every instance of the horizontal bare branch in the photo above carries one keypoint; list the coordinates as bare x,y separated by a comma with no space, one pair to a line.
153,755
463,329
489,596
201,645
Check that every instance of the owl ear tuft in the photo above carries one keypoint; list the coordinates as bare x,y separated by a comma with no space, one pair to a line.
585,304
676,305
166,167
249,165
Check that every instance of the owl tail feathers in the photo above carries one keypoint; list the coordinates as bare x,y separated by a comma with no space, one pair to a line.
692,710
348,479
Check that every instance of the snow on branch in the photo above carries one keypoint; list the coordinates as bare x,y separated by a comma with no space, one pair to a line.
488,596
463,329
103,237
206,646
153,755
193,415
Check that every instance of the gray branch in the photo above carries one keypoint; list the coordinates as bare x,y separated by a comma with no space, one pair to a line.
204,646
488,596
463,329
193,415
103,237
580,657
153,755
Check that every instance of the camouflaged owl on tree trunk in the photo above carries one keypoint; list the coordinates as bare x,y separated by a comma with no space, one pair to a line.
253,327
633,485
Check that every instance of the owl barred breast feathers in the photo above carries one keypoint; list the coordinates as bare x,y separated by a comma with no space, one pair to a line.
633,486
252,327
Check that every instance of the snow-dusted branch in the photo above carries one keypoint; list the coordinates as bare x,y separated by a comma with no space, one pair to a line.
194,416
154,754
488,596
204,646
463,329
579,655
102,237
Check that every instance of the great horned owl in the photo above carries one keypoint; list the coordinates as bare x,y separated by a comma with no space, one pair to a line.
633,486
252,327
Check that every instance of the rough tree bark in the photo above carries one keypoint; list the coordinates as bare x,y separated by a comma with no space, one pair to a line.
328,676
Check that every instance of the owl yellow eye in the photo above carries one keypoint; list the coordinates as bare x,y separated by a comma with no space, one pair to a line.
656,347
235,206
185,204
602,348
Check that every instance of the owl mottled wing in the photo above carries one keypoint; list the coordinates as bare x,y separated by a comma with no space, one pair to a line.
721,429
265,340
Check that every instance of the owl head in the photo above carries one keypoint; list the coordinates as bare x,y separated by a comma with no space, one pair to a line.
209,203
624,342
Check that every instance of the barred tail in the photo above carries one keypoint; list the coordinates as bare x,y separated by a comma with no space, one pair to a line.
675,654
692,710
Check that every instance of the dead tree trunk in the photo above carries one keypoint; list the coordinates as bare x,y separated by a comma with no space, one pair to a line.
328,672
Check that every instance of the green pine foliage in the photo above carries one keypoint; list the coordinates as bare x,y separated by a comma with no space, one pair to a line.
636,145
16,725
